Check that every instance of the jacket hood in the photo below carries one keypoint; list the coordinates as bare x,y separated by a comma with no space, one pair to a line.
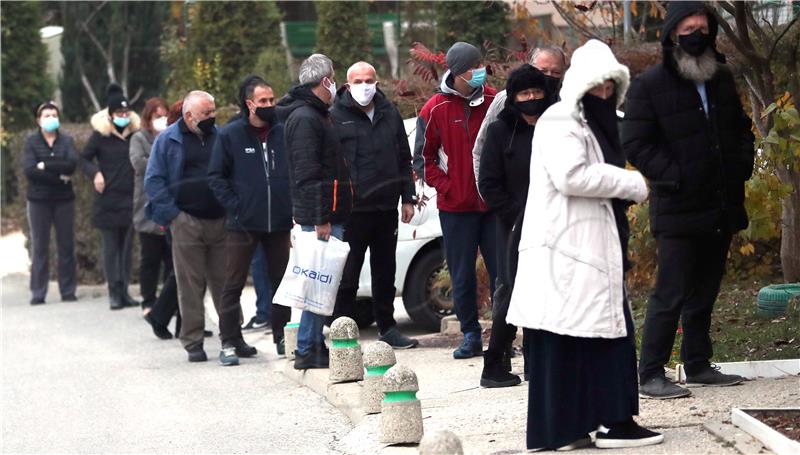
101,123
677,11
299,95
445,87
592,64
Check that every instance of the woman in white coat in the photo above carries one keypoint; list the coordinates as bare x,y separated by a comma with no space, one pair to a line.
570,292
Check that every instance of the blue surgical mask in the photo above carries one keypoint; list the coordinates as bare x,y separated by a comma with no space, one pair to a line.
50,124
478,78
122,122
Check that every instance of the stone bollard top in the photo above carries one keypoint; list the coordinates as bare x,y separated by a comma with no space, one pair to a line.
441,442
344,328
400,378
379,354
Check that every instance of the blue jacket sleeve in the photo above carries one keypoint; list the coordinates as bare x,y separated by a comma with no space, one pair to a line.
160,206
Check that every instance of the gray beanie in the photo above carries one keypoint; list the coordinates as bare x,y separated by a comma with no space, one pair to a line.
462,57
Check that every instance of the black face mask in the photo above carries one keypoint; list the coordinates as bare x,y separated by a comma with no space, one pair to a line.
207,125
553,84
695,43
533,107
266,114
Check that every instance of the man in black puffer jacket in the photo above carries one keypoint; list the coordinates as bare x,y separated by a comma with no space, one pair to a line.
322,195
375,145
686,131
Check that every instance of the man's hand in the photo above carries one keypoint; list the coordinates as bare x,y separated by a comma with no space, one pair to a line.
99,182
323,231
406,213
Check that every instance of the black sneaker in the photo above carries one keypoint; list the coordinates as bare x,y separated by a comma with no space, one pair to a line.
625,435
281,347
254,324
69,298
227,356
659,388
711,376
197,354
397,340
317,358
497,379
36,301
472,346
243,349
159,330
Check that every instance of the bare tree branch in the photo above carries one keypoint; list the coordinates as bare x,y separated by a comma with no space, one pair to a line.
88,87
753,24
135,98
575,24
786,29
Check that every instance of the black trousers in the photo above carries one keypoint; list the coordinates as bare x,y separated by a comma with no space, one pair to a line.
42,217
155,253
377,231
166,305
690,270
117,244
507,257
240,247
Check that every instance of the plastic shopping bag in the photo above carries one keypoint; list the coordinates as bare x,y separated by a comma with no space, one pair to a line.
312,276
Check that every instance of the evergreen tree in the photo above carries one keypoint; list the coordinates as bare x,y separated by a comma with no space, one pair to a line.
473,22
343,32
24,62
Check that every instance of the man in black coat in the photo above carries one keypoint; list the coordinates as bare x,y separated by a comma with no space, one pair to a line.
318,178
375,144
249,175
686,131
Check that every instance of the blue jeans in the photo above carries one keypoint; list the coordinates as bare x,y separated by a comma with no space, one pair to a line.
463,234
309,334
258,269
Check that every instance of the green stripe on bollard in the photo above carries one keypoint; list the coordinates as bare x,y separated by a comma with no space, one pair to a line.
349,343
394,397
377,370
293,325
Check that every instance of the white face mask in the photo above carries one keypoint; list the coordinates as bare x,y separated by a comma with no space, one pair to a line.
332,90
362,93
160,124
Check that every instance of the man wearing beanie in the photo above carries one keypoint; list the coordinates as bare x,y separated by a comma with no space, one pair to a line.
446,131
686,131
105,160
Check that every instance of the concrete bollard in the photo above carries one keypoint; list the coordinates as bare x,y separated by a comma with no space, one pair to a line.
378,357
401,411
290,339
441,442
345,360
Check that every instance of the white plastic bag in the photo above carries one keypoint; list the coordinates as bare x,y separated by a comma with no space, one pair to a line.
312,276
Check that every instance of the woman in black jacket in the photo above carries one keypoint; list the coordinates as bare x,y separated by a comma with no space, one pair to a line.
503,184
112,175
49,161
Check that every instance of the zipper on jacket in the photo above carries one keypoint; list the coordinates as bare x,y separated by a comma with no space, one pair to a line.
265,164
335,189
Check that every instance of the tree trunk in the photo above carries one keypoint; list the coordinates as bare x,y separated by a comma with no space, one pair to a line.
790,238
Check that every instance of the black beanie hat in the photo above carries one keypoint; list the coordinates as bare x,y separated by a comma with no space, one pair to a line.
522,78
115,98
677,11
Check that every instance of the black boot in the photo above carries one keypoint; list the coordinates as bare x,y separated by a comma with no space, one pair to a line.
495,375
125,297
507,355
114,300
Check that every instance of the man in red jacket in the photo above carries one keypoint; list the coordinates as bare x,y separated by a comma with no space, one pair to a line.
446,130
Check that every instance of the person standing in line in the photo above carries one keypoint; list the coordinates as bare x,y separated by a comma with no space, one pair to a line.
178,196
503,184
49,160
319,181
249,175
154,247
446,130
375,144
573,255
686,131
112,175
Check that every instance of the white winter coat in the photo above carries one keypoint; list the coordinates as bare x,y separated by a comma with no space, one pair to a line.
570,277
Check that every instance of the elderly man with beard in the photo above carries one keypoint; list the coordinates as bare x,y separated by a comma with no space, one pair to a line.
686,131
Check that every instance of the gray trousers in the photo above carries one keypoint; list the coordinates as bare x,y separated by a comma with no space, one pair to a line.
42,217
117,245
198,255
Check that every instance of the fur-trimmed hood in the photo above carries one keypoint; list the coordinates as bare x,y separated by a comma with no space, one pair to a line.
102,124
592,64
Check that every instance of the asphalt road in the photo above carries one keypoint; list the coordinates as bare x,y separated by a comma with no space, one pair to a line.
77,377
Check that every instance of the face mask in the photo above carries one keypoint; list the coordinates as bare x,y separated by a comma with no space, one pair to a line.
362,93
121,122
603,107
694,43
533,107
160,124
207,125
266,114
332,89
478,78
552,85
50,124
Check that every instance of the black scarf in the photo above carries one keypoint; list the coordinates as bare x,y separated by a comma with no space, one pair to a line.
602,117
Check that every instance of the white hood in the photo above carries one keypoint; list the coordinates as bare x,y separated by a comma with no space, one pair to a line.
591,64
